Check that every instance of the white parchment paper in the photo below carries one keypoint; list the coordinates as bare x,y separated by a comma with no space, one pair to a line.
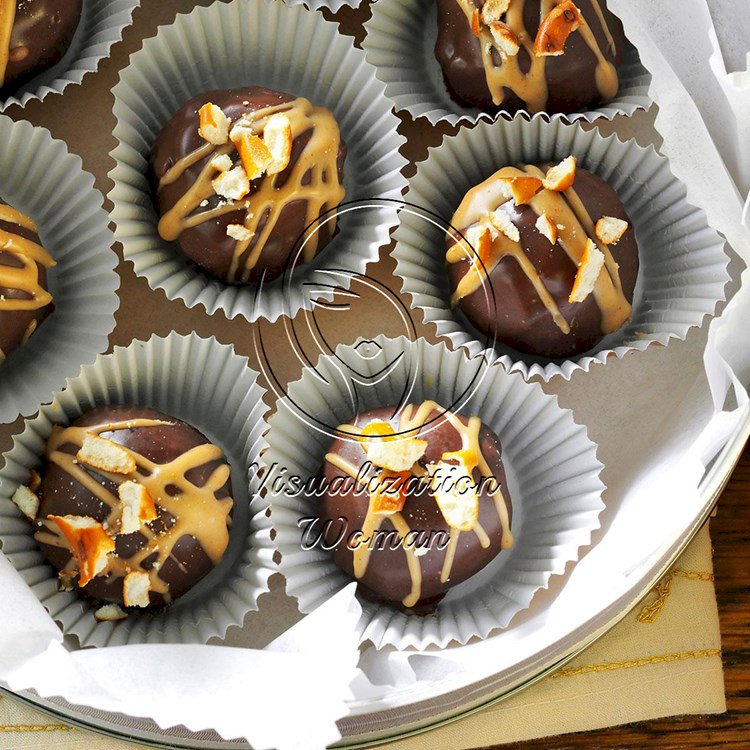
238,692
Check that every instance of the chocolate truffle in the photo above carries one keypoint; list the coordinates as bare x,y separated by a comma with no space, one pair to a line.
427,490
134,506
24,299
34,36
529,54
240,175
560,255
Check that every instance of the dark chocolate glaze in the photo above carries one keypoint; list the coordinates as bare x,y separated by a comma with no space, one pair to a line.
518,316
387,577
570,77
207,244
42,33
14,324
62,495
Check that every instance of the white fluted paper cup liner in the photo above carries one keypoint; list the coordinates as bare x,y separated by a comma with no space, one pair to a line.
333,5
683,263
254,43
551,467
400,43
41,178
207,385
101,26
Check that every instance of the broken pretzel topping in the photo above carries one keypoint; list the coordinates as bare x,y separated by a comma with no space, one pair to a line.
561,177
89,543
106,455
555,29
609,230
214,124
589,269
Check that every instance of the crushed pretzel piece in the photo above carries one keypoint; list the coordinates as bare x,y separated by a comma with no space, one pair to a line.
110,613
521,189
277,135
137,507
136,588
562,176
106,455
27,502
546,227
494,10
233,185
502,222
255,156
89,543
239,232
555,29
214,124
609,230
589,269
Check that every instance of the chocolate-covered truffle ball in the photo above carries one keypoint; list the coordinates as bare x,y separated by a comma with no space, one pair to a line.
529,54
561,263
24,299
34,36
240,175
410,517
135,506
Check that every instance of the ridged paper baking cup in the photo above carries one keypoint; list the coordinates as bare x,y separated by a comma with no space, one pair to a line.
39,177
102,24
254,43
332,5
683,263
207,385
551,465
400,43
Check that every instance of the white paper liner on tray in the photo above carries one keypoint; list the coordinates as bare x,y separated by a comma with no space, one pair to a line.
254,43
552,469
683,263
400,43
207,385
333,5
101,26
39,177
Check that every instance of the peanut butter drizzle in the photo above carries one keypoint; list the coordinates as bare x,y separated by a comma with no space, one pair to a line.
313,178
195,510
26,278
575,227
412,421
531,86
7,19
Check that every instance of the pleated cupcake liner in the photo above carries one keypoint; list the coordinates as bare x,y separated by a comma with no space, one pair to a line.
207,385
101,26
41,178
683,262
400,43
551,464
333,5
254,43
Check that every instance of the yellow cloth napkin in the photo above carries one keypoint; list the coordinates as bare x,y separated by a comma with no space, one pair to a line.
663,659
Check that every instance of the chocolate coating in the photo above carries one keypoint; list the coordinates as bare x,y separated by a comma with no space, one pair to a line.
516,314
208,244
571,77
60,495
17,325
387,576
42,33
